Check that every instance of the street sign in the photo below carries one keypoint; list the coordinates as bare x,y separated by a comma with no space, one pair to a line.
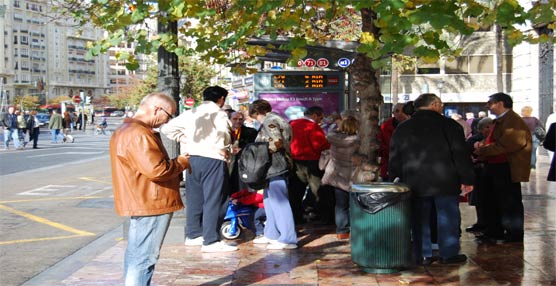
322,62
76,99
344,62
189,101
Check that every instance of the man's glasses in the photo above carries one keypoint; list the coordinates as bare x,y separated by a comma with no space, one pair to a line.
167,113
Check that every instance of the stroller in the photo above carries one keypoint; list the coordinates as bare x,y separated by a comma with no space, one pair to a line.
238,217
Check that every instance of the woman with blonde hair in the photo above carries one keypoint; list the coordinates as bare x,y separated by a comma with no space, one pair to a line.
344,143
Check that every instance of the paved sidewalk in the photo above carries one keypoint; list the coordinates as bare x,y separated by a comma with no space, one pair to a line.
324,260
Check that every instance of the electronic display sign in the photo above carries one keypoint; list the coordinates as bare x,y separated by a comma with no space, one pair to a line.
280,81
290,93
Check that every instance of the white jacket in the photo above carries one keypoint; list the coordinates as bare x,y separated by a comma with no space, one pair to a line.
202,131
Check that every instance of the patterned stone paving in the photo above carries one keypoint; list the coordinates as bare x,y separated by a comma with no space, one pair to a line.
322,260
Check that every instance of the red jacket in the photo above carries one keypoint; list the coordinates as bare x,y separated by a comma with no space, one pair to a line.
249,198
386,131
308,140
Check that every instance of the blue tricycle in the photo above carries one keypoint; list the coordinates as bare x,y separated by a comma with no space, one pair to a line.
238,217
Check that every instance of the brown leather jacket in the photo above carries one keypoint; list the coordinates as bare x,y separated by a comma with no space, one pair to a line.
513,139
145,180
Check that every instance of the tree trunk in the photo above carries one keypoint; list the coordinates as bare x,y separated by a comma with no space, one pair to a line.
499,67
168,79
546,76
366,86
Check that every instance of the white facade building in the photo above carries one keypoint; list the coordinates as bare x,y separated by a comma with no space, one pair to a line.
44,56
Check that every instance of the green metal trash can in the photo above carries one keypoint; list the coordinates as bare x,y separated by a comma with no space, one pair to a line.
380,227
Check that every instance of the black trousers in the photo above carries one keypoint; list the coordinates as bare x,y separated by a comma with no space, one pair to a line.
34,136
504,214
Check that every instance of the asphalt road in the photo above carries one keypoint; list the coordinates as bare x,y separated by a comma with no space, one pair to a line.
53,201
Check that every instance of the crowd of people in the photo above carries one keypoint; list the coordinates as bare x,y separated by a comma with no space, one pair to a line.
22,128
313,159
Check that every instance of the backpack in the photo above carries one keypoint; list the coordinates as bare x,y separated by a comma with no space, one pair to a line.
253,165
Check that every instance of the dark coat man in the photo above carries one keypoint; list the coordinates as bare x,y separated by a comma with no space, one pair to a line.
428,153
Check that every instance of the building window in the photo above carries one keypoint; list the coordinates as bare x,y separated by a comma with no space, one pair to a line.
481,64
24,39
426,68
16,3
459,65
15,40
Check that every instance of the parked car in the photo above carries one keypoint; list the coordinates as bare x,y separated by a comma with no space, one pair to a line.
43,119
117,113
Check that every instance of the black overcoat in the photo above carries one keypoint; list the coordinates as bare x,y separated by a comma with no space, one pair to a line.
429,154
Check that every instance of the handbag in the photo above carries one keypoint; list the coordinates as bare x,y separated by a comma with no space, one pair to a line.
540,133
324,159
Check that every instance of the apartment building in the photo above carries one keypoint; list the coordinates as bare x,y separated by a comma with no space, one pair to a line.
44,53
120,77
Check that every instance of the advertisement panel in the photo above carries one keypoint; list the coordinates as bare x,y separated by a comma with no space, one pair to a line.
292,105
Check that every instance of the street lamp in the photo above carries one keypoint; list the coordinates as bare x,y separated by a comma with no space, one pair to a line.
440,86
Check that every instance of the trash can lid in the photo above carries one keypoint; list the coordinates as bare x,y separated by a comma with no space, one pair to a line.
380,187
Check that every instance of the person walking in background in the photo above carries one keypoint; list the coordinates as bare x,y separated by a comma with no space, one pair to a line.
279,230
386,131
204,132
146,185
550,144
308,141
241,136
428,153
344,143
533,123
66,123
33,126
9,122
507,153
55,125
21,127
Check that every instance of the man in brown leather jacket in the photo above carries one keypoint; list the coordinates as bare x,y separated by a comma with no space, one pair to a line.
146,184
507,153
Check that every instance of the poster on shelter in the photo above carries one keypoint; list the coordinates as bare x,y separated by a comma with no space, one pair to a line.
292,105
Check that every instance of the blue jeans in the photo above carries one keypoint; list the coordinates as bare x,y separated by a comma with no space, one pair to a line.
342,210
536,144
146,234
448,224
55,133
279,218
12,133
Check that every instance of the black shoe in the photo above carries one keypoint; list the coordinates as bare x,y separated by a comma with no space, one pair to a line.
513,239
36,148
474,228
460,258
428,260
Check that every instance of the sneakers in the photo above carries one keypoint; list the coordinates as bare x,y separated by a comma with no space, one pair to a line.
219,246
279,245
263,240
198,241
